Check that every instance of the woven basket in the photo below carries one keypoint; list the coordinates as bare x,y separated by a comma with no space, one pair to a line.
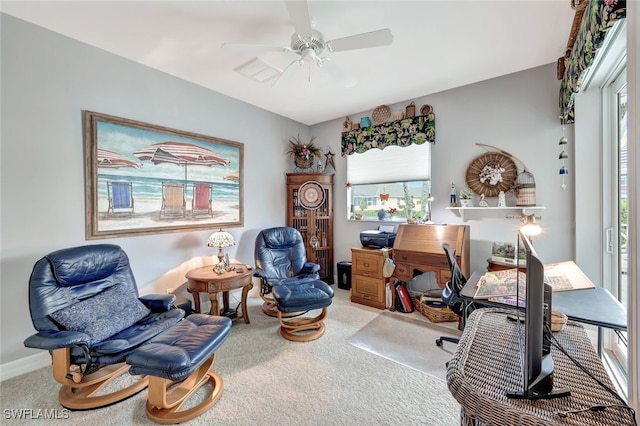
302,162
558,321
380,115
434,314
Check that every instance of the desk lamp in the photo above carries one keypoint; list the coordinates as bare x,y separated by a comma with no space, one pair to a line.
529,226
221,239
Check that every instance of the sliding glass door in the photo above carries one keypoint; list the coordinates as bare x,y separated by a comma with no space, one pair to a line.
615,102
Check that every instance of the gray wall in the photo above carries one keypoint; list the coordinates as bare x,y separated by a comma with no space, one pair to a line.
517,113
47,80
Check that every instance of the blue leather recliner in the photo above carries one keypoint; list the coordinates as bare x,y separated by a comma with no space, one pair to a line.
290,286
85,306
281,259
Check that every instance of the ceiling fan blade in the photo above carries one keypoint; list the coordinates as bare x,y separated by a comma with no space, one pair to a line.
347,79
361,41
287,73
299,13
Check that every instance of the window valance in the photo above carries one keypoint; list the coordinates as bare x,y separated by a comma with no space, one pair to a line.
599,16
413,130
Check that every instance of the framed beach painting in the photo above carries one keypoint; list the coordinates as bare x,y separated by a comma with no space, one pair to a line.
143,178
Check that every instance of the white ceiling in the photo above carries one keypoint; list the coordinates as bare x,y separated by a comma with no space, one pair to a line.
438,45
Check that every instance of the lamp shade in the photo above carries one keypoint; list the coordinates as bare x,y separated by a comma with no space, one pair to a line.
221,239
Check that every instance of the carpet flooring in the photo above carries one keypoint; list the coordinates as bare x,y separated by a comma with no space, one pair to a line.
407,340
272,381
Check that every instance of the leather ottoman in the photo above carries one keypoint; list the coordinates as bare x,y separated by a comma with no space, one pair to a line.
300,298
183,353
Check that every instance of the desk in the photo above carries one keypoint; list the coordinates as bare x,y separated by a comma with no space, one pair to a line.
594,306
486,364
206,280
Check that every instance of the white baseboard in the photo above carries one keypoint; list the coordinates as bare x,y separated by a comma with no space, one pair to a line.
24,365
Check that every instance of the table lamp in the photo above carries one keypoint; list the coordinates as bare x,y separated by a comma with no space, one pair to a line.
221,239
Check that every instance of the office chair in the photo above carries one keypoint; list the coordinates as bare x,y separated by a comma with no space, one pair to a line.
451,293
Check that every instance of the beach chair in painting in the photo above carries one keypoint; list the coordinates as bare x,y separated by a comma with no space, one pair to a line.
173,201
201,201
120,196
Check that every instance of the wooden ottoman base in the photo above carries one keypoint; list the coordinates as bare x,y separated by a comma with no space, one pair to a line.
302,329
166,398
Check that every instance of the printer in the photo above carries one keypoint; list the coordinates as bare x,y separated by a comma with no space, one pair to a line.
382,237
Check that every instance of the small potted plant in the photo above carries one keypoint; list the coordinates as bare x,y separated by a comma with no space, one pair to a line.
302,152
466,198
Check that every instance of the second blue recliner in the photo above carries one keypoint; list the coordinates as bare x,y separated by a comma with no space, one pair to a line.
291,286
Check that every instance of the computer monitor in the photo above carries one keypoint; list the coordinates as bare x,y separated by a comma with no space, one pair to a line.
537,365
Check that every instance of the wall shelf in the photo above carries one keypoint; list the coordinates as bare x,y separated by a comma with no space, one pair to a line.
463,211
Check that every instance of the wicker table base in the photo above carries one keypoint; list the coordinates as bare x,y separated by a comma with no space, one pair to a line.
487,363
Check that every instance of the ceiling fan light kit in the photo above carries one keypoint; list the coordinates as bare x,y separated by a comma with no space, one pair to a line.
309,44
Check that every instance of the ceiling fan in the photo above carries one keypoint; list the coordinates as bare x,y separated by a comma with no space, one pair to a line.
309,44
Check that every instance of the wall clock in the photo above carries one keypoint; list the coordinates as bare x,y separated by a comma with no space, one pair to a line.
311,195
491,173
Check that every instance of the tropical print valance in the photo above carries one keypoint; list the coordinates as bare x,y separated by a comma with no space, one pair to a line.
599,16
413,130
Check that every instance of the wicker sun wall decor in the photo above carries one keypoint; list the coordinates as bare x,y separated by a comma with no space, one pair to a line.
490,173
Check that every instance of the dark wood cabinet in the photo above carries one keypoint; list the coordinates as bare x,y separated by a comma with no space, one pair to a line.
310,211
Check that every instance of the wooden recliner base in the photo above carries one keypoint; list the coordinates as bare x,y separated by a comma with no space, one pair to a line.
302,329
166,397
81,392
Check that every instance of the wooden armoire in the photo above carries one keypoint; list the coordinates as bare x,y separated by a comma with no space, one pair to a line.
310,211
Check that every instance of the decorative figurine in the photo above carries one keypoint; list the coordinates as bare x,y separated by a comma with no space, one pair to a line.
502,200
347,125
452,195
482,202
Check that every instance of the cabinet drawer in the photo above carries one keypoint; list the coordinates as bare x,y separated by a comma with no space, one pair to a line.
403,272
415,258
368,288
444,276
367,265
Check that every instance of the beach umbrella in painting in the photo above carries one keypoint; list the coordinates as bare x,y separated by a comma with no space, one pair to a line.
182,154
113,160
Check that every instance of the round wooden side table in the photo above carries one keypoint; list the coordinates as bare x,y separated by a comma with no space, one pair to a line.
206,280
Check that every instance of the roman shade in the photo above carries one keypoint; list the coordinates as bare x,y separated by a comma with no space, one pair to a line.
393,164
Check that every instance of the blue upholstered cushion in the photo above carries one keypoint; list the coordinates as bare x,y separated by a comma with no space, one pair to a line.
104,314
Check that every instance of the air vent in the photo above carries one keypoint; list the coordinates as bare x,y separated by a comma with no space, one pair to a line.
257,70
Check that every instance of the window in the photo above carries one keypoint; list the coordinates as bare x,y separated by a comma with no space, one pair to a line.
396,180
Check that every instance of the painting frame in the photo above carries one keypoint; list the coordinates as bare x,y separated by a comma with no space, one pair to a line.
143,179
